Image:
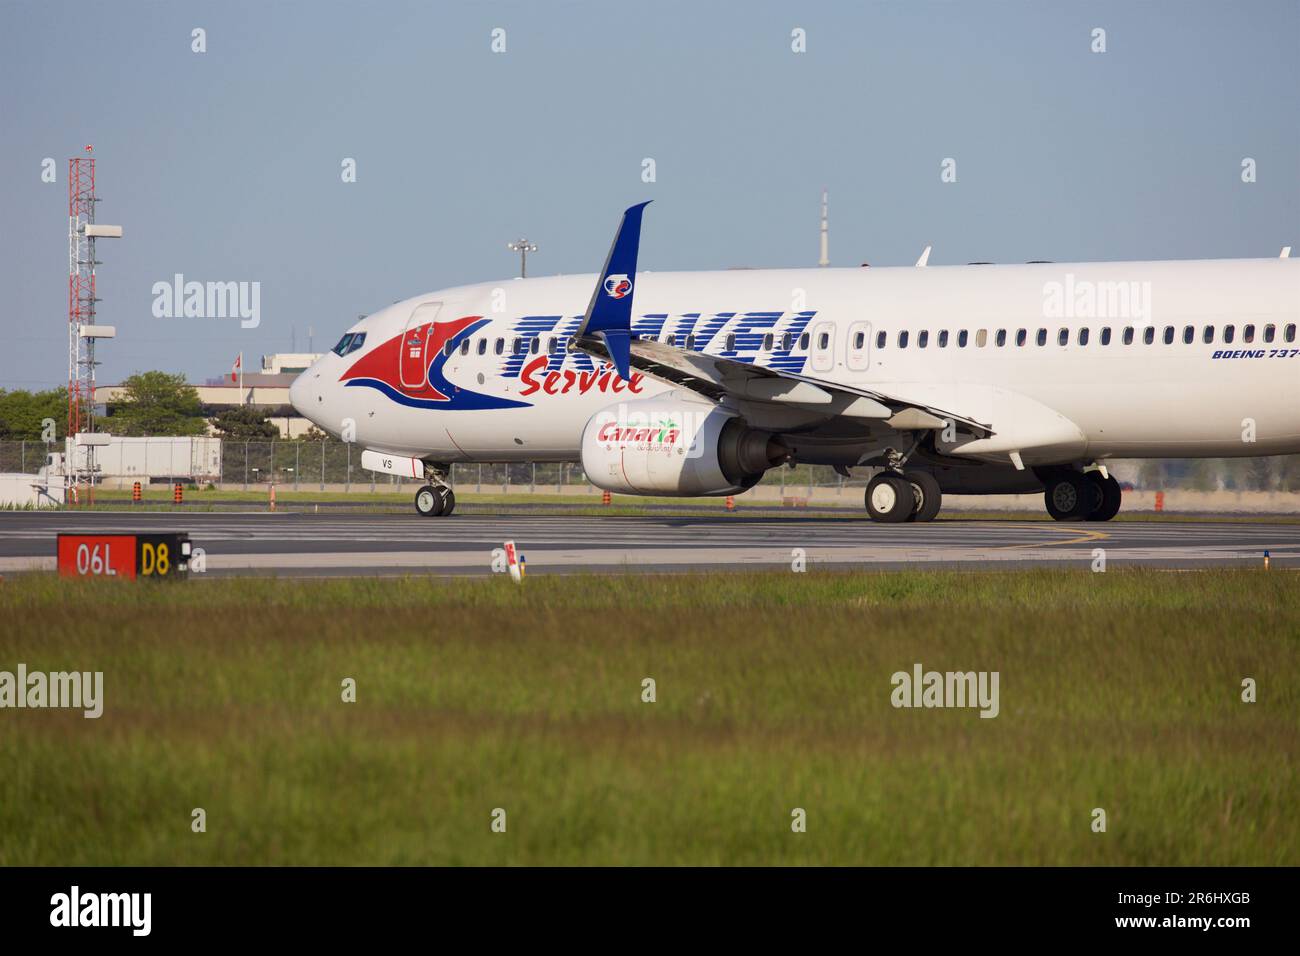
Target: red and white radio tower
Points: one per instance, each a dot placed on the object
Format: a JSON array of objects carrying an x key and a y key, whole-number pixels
[{"x": 82, "y": 330}]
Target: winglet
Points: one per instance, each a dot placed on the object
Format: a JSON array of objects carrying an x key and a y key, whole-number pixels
[
  {"x": 609, "y": 314},
  {"x": 922, "y": 262}
]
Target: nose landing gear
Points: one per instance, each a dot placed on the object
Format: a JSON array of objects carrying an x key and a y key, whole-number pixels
[{"x": 436, "y": 499}]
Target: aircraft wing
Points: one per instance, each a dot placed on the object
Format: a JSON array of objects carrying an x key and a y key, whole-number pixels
[{"x": 717, "y": 377}]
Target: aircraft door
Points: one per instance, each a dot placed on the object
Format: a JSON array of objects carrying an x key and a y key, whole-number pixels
[
  {"x": 419, "y": 328},
  {"x": 822, "y": 347},
  {"x": 859, "y": 346}
]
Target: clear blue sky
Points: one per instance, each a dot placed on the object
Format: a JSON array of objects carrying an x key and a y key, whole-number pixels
[{"x": 225, "y": 165}]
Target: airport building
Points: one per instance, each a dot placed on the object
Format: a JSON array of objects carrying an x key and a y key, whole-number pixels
[{"x": 266, "y": 388}]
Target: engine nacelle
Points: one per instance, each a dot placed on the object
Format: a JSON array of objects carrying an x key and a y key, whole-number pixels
[{"x": 675, "y": 446}]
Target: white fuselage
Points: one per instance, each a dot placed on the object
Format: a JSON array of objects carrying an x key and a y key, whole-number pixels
[{"x": 495, "y": 391}]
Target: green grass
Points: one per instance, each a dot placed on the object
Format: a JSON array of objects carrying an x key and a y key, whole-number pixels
[{"x": 1118, "y": 690}]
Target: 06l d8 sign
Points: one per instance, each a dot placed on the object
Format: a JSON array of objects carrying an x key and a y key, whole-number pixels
[{"x": 127, "y": 556}]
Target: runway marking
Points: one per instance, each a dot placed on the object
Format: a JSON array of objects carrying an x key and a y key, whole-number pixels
[{"x": 1086, "y": 536}]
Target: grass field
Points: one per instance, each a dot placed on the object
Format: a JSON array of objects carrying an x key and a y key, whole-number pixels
[{"x": 1118, "y": 690}]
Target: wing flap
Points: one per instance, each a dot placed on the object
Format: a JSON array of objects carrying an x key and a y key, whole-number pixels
[{"x": 717, "y": 377}]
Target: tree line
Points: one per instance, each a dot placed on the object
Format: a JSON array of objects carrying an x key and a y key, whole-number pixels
[{"x": 152, "y": 403}]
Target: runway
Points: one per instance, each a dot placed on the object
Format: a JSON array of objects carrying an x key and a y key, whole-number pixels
[{"x": 297, "y": 544}]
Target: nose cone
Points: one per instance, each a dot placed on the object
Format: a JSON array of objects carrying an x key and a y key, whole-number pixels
[{"x": 302, "y": 394}]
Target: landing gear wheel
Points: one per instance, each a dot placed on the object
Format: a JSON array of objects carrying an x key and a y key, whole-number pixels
[
  {"x": 890, "y": 498},
  {"x": 925, "y": 489},
  {"x": 448, "y": 501},
  {"x": 429, "y": 502},
  {"x": 1108, "y": 495},
  {"x": 1069, "y": 496}
]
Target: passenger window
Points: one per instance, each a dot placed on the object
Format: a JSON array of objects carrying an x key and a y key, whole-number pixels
[
  {"x": 803, "y": 341},
  {"x": 1083, "y": 336},
  {"x": 1169, "y": 335},
  {"x": 981, "y": 338},
  {"x": 1128, "y": 335},
  {"x": 730, "y": 342},
  {"x": 1248, "y": 333},
  {"x": 1229, "y": 333},
  {"x": 943, "y": 338},
  {"x": 1022, "y": 336},
  {"x": 464, "y": 347},
  {"x": 787, "y": 341},
  {"x": 517, "y": 346},
  {"x": 767, "y": 342},
  {"x": 1289, "y": 335},
  {"x": 859, "y": 339},
  {"x": 1042, "y": 336},
  {"x": 500, "y": 346},
  {"x": 880, "y": 339},
  {"x": 824, "y": 341},
  {"x": 962, "y": 339},
  {"x": 552, "y": 345},
  {"x": 1001, "y": 337},
  {"x": 1149, "y": 335},
  {"x": 902, "y": 340},
  {"x": 482, "y": 346},
  {"x": 922, "y": 338},
  {"x": 1270, "y": 333},
  {"x": 448, "y": 347},
  {"x": 1063, "y": 337},
  {"x": 1207, "y": 335},
  {"x": 1189, "y": 334},
  {"x": 1105, "y": 335},
  {"x": 535, "y": 345}
]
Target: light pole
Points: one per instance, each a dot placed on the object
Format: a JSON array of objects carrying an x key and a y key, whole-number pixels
[{"x": 523, "y": 247}]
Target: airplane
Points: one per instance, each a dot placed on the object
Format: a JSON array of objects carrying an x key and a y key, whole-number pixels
[{"x": 976, "y": 379}]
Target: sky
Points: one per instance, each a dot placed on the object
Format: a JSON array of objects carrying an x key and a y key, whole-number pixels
[{"x": 227, "y": 165}]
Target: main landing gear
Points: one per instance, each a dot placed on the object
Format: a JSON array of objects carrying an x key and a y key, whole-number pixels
[
  {"x": 1081, "y": 496},
  {"x": 894, "y": 497},
  {"x": 436, "y": 499}
]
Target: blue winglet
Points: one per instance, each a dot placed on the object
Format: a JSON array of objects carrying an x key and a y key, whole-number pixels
[{"x": 609, "y": 314}]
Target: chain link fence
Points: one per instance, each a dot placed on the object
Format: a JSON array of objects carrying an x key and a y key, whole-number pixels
[
  {"x": 24, "y": 457},
  {"x": 335, "y": 466}
]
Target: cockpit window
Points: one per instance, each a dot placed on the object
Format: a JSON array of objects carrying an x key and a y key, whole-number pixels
[
  {"x": 342, "y": 347},
  {"x": 358, "y": 340}
]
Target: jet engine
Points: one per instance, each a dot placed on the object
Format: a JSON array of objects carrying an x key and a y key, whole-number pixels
[{"x": 670, "y": 445}]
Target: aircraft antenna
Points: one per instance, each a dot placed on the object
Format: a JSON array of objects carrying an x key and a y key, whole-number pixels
[{"x": 825, "y": 260}]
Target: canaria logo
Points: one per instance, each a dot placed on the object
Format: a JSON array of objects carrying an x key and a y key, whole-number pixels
[
  {"x": 409, "y": 368},
  {"x": 616, "y": 287}
]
